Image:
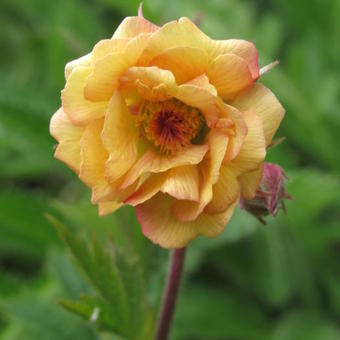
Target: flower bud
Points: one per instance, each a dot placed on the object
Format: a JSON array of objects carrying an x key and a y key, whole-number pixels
[{"x": 270, "y": 194}]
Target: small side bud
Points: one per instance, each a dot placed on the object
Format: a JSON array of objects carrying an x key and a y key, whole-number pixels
[{"x": 270, "y": 194}]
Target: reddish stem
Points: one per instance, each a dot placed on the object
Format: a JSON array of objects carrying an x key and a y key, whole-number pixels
[{"x": 170, "y": 293}]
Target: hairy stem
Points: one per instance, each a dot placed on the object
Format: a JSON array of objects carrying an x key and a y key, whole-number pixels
[{"x": 170, "y": 293}]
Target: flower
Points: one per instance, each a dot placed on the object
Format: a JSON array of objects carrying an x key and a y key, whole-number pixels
[
  {"x": 270, "y": 194},
  {"x": 169, "y": 121}
]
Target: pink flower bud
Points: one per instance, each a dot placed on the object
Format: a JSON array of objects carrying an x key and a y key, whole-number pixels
[{"x": 270, "y": 194}]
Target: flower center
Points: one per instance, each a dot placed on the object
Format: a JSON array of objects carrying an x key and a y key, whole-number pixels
[{"x": 169, "y": 125}]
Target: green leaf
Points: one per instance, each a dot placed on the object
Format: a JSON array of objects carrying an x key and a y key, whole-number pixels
[{"x": 117, "y": 279}]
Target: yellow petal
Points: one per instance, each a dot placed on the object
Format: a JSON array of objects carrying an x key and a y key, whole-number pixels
[
  {"x": 107, "y": 46},
  {"x": 229, "y": 74},
  {"x": 120, "y": 137},
  {"x": 185, "y": 33},
  {"x": 250, "y": 182},
  {"x": 236, "y": 133},
  {"x": 203, "y": 82},
  {"x": 80, "y": 110},
  {"x": 105, "y": 208},
  {"x": 225, "y": 191},
  {"x": 182, "y": 183},
  {"x": 242, "y": 48},
  {"x": 262, "y": 101},
  {"x": 198, "y": 97},
  {"x": 253, "y": 150},
  {"x": 209, "y": 173},
  {"x": 148, "y": 189},
  {"x": 184, "y": 62},
  {"x": 132, "y": 26},
  {"x": 174, "y": 34},
  {"x": 82, "y": 61},
  {"x": 160, "y": 225},
  {"x": 212, "y": 225},
  {"x": 94, "y": 156},
  {"x": 104, "y": 78},
  {"x": 152, "y": 82},
  {"x": 152, "y": 161},
  {"x": 68, "y": 136}
]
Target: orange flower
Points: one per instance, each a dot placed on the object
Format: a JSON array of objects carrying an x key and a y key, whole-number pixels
[{"x": 169, "y": 121}]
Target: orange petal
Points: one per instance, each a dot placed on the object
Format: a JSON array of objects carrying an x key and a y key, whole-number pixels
[
  {"x": 230, "y": 74},
  {"x": 132, "y": 26},
  {"x": 148, "y": 189},
  {"x": 120, "y": 137},
  {"x": 253, "y": 150},
  {"x": 183, "y": 61},
  {"x": 160, "y": 225},
  {"x": 94, "y": 156},
  {"x": 225, "y": 191},
  {"x": 82, "y": 61},
  {"x": 203, "y": 82},
  {"x": 236, "y": 133},
  {"x": 198, "y": 97},
  {"x": 250, "y": 182},
  {"x": 105, "y": 208},
  {"x": 152, "y": 161},
  {"x": 262, "y": 101},
  {"x": 104, "y": 79},
  {"x": 242, "y": 48},
  {"x": 209, "y": 172},
  {"x": 152, "y": 83},
  {"x": 68, "y": 136},
  {"x": 174, "y": 34},
  {"x": 107, "y": 46},
  {"x": 80, "y": 110},
  {"x": 185, "y": 33},
  {"x": 182, "y": 183}
]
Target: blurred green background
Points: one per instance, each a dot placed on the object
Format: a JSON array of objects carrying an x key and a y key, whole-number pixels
[{"x": 279, "y": 282}]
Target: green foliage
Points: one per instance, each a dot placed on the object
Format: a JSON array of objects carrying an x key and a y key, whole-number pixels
[
  {"x": 275, "y": 282},
  {"x": 120, "y": 304}
]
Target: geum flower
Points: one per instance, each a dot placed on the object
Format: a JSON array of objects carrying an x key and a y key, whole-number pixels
[{"x": 169, "y": 121}]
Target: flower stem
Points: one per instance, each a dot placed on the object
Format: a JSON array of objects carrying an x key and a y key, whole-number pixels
[{"x": 170, "y": 293}]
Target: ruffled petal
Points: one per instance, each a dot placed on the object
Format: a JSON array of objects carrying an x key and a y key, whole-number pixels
[
  {"x": 105, "y": 208},
  {"x": 154, "y": 162},
  {"x": 202, "y": 81},
  {"x": 68, "y": 136},
  {"x": 80, "y": 110},
  {"x": 82, "y": 61},
  {"x": 182, "y": 183},
  {"x": 152, "y": 83},
  {"x": 132, "y": 26},
  {"x": 242, "y": 48},
  {"x": 262, "y": 101},
  {"x": 229, "y": 74},
  {"x": 253, "y": 150},
  {"x": 174, "y": 34},
  {"x": 199, "y": 97},
  {"x": 107, "y": 46},
  {"x": 93, "y": 157},
  {"x": 104, "y": 78},
  {"x": 160, "y": 225},
  {"x": 183, "y": 61},
  {"x": 209, "y": 174},
  {"x": 225, "y": 191},
  {"x": 185, "y": 33},
  {"x": 232, "y": 123},
  {"x": 148, "y": 189},
  {"x": 120, "y": 138},
  {"x": 250, "y": 181}
]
